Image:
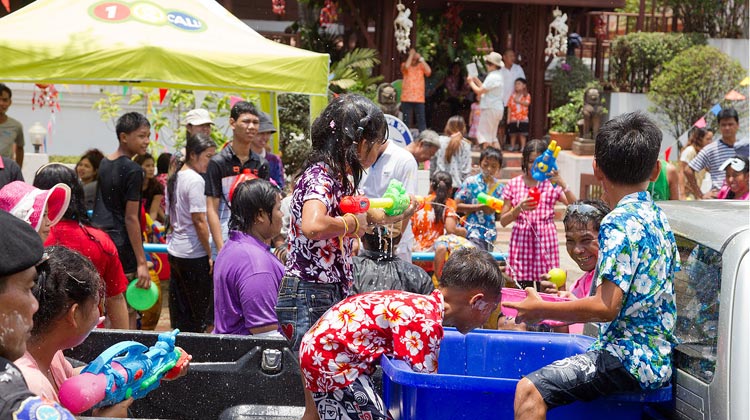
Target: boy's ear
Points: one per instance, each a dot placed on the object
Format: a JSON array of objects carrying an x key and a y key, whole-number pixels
[
  {"x": 598, "y": 174},
  {"x": 655, "y": 172},
  {"x": 476, "y": 299},
  {"x": 121, "y": 137}
]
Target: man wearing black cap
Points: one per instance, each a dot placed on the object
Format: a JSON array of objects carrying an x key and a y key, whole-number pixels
[{"x": 21, "y": 262}]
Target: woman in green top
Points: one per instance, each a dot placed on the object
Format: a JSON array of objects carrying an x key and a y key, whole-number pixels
[{"x": 666, "y": 186}]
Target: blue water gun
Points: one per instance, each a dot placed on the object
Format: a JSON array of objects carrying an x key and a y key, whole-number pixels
[
  {"x": 127, "y": 369},
  {"x": 545, "y": 162}
]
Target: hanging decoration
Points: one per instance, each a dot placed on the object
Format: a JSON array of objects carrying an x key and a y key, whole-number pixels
[
  {"x": 6, "y": 4},
  {"x": 557, "y": 38},
  {"x": 329, "y": 13},
  {"x": 278, "y": 7},
  {"x": 402, "y": 28},
  {"x": 453, "y": 21},
  {"x": 162, "y": 95},
  {"x": 46, "y": 96}
]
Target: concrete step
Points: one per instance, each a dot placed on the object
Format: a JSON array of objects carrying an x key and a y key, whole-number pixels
[{"x": 509, "y": 172}]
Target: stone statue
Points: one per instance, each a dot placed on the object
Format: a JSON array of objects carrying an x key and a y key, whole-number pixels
[
  {"x": 387, "y": 99},
  {"x": 592, "y": 113}
]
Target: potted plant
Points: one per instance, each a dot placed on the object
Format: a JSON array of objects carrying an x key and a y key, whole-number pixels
[{"x": 564, "y": 123}]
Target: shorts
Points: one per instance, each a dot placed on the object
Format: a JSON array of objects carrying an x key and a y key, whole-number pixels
[
  {"x": 482, "y": 244},
  {"x": 518, "y": 127},
  {"x": 583, "y": 377},
  {"x": 488, "y": 122},
  {"x": 357, "y": 401},
  {"x": 300, "y": 305},
  {"x": 453, "y": 242}
]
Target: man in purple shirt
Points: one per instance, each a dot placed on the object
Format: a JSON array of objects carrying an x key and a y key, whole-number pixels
[{"x": 247, "y": 275}]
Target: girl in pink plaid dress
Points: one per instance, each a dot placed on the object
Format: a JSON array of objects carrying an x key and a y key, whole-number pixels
[{"x": 533, "y": 241}]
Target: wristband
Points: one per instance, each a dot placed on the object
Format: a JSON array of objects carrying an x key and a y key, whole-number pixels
[
  {"x": 356, "y": 224},
  {"x": 346, "y": 225}
]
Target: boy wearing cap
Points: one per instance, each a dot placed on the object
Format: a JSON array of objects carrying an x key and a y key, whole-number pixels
[
  {"x": 491, "y": 103},
  {"x": 21, "y": 254},
  {"x": 118, "y": 197},
  {"x": 198, "y": 121},
  {"x": 259, "y": 145}
]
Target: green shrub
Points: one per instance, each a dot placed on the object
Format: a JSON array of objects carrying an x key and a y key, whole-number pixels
[
  {"x": 691, "y": 83},
  {"x": 636, "y": 58},
  {"x": 64, "y": 159},
  {"x": 294, "y": 133},
  {"x": 567, "y": 77},
  {"x": 564, "y": 119}
]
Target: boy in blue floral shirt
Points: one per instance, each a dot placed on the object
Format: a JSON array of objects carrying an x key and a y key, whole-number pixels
[
  {"x": 634, "y": 298},
  {"x": 480, "y": 219}
]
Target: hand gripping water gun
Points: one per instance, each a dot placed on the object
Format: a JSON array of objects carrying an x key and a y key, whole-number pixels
[
  {"x": 395, "y": 200},
  {"x": 490, "y": 201},
  {"x": 545, "y": 162},
  {"x": 127, "y": 369}
]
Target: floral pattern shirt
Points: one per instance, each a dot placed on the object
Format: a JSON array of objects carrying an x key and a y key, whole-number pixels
[
  {"x": 479, "y": 225},
  {"x": 326, "y": 260},
  {"x": 638, "y": 253},
  {"x": 424, "y": 226},
  {"x": 516, "y": 111},
  {"x": 348, "y": 340}
]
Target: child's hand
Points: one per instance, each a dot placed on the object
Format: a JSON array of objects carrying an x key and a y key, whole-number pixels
[
  {"x": 547, "y": 286},
  {"x": 526, "y": 308},
  {"x": 529, "y": 204},
  {"x": 555, "y": 178},
  {"x": 183, "y": 364}
]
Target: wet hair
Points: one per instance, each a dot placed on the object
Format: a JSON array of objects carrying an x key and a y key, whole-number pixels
[
  {"x": 336, "y": 133},
  {"x": 379, "y": 240},
  {"x": 455, "y": 124},
  {"x": 72, "y": 279},
  {"x": 534, "y": 146},
  {"x": 728, "y": 113},
  {"x": 196, "y": 144},
  {"x": 94, "y": 156},
  {"x": 130, "y": 122},
  {"x": 442, "y": 184},
  {"x": 472, "y": 268},
  {"x": 627, "y": 148},
  {"x": 583, "y": 218},
  {"x": 491, "y": 153},
  {"x": 249, "y": 199},
  {"x": 242, "y": 107},
  {"x": 696, "y": 136},
  {"x": 5, "y": 88},
  {"x": 162, "y": 163}
]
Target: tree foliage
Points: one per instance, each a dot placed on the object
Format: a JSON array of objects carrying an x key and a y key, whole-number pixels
[
  {"x": 294, "y": 133},
  {"x": 715, "y": 18},
  {"x": 569, "y": 76},
  {"x": 636, "y": 58},
  {"x": 691, "y": 83},
  {"x": 353, "y": 73},
  {"x": 564, "y": 118}
]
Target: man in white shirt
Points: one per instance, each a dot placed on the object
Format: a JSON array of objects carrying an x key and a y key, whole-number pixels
[
  {"x": 397, "y": 163},
  {"x": 491, "y": 103},
  {"x": 510, "y": 72}
]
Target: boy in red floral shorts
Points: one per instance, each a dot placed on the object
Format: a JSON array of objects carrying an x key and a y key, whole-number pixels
[{"x": 340, "y": 352}]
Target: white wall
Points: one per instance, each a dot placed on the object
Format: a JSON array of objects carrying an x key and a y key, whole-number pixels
[
  {"x": 739, "y": 49},
  {"x": 622, "y": 103}
]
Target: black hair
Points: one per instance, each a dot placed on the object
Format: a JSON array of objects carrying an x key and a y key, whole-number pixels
[
  {"x": 696, "y": 136},
  {"x": 52, "y": 174},
  {"x": 582, "y": 218},
  {"x": 533, "y": 146},
  {"x": 249, "y": 199},
  {"x": 141, "y": 159},
  {"x": 162, "y": 162},
  {"x": 72, "y": 279},
  {"x": 627, "y": 148},
  {"x": 94, "y": 156},
  {"x": 522, "y": 80},
  {"x": 242, "y": 107},
  {"x": 442, "y": 183},
  {"x": 336, "y": 133},
  {"x": 196, "y": 144},
  {"x": 379, "y": 240},
  {"x": 130, "y": 122},
  {"x": 5, "y": 88},
  {"x": 472, "y": 268},
  {"x": 491, "y": 153},
  {"x": 728, "y": 113}
]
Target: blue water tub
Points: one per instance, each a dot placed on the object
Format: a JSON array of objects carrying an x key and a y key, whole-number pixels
[{"x": 478, "y": 373}]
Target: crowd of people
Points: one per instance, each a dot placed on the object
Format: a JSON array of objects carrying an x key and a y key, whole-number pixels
[{"x": 254, "y": 252}]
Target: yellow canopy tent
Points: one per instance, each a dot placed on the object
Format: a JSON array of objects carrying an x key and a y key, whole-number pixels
[{"x": 185, "y": 44}]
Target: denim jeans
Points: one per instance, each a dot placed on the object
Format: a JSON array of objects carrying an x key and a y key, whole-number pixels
[
  {"x": 417, "y": 109},
  {"x": 300, "y": 305}
]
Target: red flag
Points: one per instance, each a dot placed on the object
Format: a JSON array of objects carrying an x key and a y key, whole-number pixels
[
  {"x": 6, "y": 3},
  {"x": 667, "y": 153},
  {"x": 162, "y": 95}
]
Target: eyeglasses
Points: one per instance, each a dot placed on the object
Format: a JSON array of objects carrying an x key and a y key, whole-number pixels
[{"x": 584, "y": 209}]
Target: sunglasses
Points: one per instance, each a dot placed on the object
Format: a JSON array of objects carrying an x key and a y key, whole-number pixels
[{"x": 584, "y": 209}]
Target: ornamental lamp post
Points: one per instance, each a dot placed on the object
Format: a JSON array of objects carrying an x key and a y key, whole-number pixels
[{"x": 37, "y": 132}]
